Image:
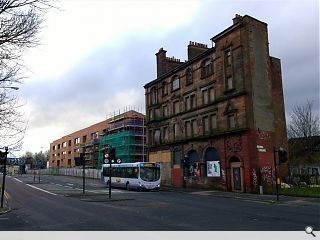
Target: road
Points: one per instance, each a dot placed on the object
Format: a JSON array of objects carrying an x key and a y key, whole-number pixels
[{"x": 57, "y": 203}]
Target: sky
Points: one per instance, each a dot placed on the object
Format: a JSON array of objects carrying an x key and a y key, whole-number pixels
[{"x": 96, "y": 56}]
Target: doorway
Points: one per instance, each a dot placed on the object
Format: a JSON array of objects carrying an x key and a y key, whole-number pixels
[{"x": 236, "y": 175}]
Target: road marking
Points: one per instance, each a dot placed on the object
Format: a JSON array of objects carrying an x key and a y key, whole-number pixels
[
  {"x": 41, "y": 189},
  {"x": 18, "y": 180},
  {"x": 6, "y": 195},
  {"x": 4, "y": 218}
]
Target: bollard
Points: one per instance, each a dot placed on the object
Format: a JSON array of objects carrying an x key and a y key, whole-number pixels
[{"x": 261, "y": 189}]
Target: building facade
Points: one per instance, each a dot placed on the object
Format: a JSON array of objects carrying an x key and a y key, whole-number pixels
[
  {"x": 65, "y": 151},
  {"x": 214, "y": 120}
]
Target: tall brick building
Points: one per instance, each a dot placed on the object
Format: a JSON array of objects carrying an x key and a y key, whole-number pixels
[{"x": 222, "y": 110}]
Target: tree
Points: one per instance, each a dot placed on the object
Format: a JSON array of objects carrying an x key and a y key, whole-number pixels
[
  {"x": 304, "y": 123},
  {"x": 20, "y": 21},
  {"x": 37, "y": 159},
  {"x": 304, "y": 135}
]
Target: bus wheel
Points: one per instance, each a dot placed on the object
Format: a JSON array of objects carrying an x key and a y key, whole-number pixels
[{"x": 128, "y": 186}]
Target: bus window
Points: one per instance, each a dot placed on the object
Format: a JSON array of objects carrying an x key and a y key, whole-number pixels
[{"x": 149, "y": 174}]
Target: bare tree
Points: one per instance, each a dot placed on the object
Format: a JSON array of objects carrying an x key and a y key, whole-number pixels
[
  {"x": 20, "y": 21},
  {"x": 304, "y": 123},
  {"x": 304, "y": 135}
]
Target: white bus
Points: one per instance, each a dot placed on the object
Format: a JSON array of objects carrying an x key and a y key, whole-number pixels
[{"x": 138, "y": 175}]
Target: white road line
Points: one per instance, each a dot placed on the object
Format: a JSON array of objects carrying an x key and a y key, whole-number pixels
[
  {"x": 18, "y": 180},
  {"x": 6, "y": 195},
  {"x": 41, "y": 190}
]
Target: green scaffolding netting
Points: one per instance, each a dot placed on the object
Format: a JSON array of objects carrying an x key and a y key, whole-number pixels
[{"x": 123, "y": 142}]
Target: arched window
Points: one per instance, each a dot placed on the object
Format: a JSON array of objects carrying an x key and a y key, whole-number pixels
[
  {"x": 189, "y": 76},
  {"x": 212, "y": 160},
  {"x": 194, "y": 167},
  {"x": 206, "y": 67}
]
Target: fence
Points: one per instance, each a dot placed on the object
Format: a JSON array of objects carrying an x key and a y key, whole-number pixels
[{"x": 74, "y": 172}]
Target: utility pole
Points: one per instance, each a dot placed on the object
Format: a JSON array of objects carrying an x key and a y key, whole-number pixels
[{"x": 4, "y": 159}]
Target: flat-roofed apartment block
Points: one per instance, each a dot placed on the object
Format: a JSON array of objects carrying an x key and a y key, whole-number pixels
[
  {"x": 64, "y": 151},
  {"x": 223, "y": 109}
]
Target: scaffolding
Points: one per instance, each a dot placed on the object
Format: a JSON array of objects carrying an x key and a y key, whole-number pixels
[{"x": 123, "y": 142}]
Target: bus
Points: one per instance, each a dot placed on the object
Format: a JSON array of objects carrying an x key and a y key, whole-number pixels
[{"x": 138, "y": 175}]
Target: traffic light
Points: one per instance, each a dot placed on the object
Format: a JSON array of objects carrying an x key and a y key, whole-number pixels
[
  {"x": 3, "y": 158},
  {"x": 106, "y": 157},
  {"x": 282, "y": 155},
  {"x": 112, "y": 154},
  {"x": 109, "y": 156}
]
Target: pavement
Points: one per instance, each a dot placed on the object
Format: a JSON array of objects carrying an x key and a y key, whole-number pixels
[{"x": 265, "y": 198}]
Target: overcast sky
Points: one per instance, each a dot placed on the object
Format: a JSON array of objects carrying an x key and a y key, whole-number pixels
[{"x": 96, "y": 56}]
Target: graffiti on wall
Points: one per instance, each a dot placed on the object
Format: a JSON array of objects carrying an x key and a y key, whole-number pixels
[
  {"x": 266, "y": 175},
  {"x": 234, "y": 144},
  {"x": 223, "y": 175},
  {"x": 254, "y": 178}
]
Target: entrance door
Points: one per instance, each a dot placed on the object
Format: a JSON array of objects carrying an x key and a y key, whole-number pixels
[{"x": 236, "y": 173}]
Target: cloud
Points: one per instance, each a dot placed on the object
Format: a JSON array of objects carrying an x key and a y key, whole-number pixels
[{"x": 79, "y": 87}]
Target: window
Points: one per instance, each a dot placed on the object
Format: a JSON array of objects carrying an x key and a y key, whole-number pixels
[
  {"x": 164, "y": 88},
  {"x": 64, "y": 144},
  {"x": 153, "y": 95},
  {"x": 150, "y": 114},
  {"x": 189, "y": 76},
  {"x": 190, "y": 102},
  {"x": 157, "y": 136},
  {"x": 211, "y": 94},
  {"x": 228, "y": 59},
  {"x": 165, "y": 134},
  {"x": 193, "y": 101},
  {"x": 76, "y": 140},
  {"x": 188, "y": 128},
  {"x": 205, "y": 98},
  {"x": 84, "y": 138},
  {"x": 232, "y": 121},
  {"x": 206, "y": 67},
  {"x": 94, "y": 135},
  {"x": 69, "y": 144},
  {"x": 176, "y": 130},
  {"x": 194, "y": 126},
  {"x": 206, "y": 124},
  {"x": 157, "y": 112},
  {"x": 176, "y": 107},
  {"x": 229, "y": 83},
  {"x": 175, "y": 83},
  {"x": 150, "y": 137},
  {"x": 213, "y": 121},
  {"x": 165, "y": 112}
]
